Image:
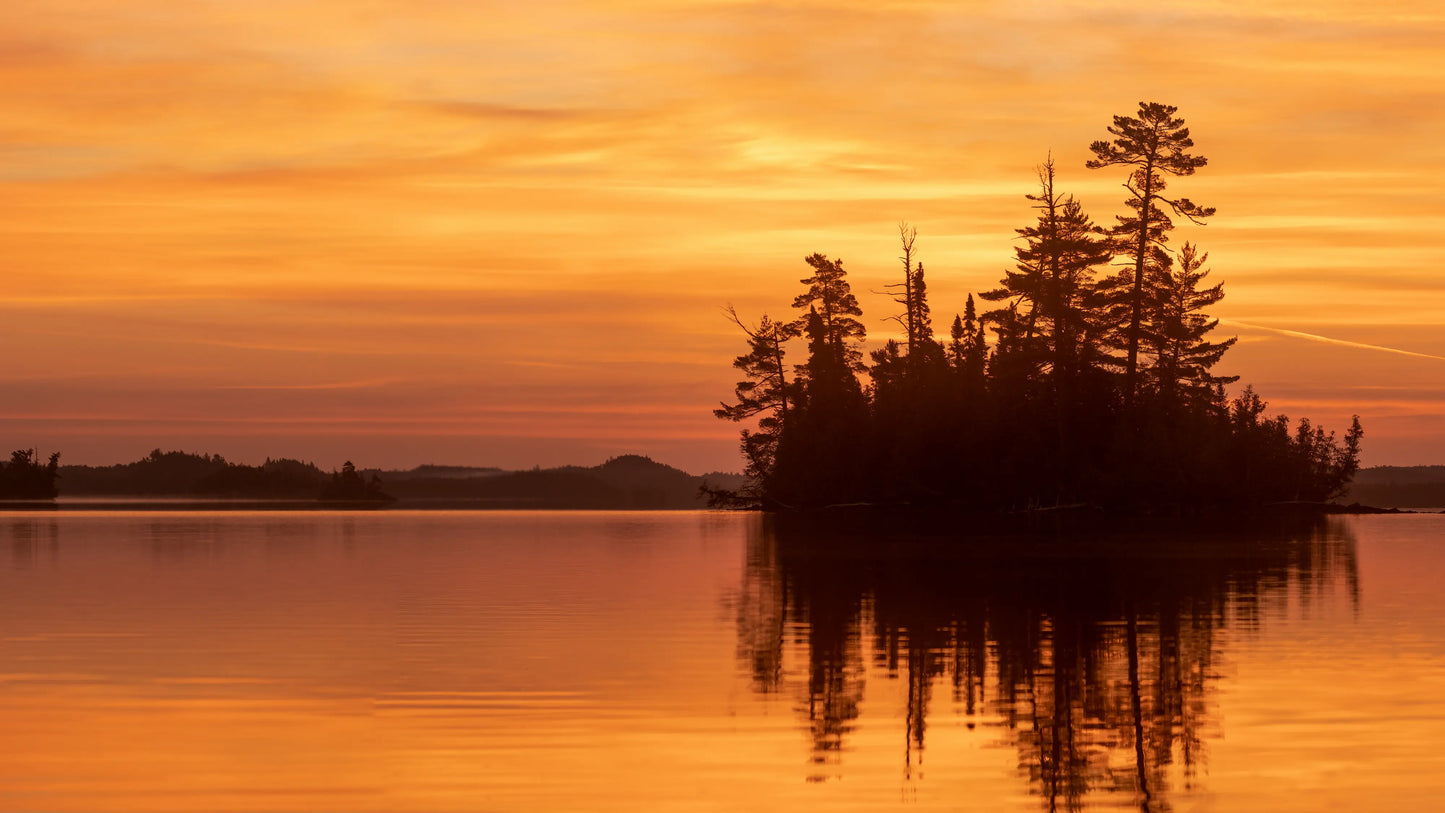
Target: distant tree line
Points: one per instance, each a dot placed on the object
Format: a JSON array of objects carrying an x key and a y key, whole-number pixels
[
  {"x": 1095, "y": 387},
  {"x": 1420, "y": 487},
  {"x": 624, "y": 482},
  {"x": 24, "y": 477},
  {"x": 188, "y": 474}
]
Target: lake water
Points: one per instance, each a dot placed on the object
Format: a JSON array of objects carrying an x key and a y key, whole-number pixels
[{"x": 416, "y": 661}]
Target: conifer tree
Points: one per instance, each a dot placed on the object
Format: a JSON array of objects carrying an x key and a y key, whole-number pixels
[
  {"x": 927, "y": 363},
  {"x": 832, "y": 297},
  {"x": 1052, "y": 280},
  {"x": 1011, "y": 366},
  {"x": 888, "y": 374},
  {"x": 1153, "y": 144},
  {"x": 764, "y": 394},
  {"x": 919, "y": 314},
  {"x": 828, "y": 382},
  {"x": 1182, "y": 356},
  {"x": 817, "y": 461},
  {"x": 923, "y": 350},
  {"x": 976, "y": 349},
  {"x": 958, "y": 341},
  {"x": 907, "y": 236}
]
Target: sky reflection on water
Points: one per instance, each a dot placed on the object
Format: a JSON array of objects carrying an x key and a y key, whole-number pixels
[{"x": 699, "y": 661}]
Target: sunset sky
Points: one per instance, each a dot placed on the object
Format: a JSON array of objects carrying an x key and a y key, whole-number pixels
[{"x": 501, "y": 233}]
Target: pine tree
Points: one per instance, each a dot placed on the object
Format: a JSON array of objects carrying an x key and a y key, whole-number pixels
[
  {"x": 976, "y": 352},
  {"x": 818, "y": 460},
  {"x": 1176, "y": 335},
  {"x": 1051, "y": 282},
  {"x": 927, "y": 353},
  {"x": 826, "y": 379},
  {"x": 764, "y": 394},
  {"x": 1154, "y": 144},
  {"x": 958, "y": 339},
  {"x": 832, "y": 297}
]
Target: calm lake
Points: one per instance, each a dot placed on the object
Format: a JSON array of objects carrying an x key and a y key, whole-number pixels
[{"x": 440, "y": 661}]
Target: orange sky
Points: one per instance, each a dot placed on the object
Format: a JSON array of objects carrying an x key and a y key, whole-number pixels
[{"x": 501, "y": 233}]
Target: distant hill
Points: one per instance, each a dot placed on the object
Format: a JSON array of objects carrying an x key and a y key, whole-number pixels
[
  {"x": 434, "y": 472},
  {"x": 1399, "y": 487},
  {"x": 625, "y": 482}
]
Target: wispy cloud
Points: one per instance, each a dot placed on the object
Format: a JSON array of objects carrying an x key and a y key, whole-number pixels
[
  {"x": 365, "y": 384},
  {"x": 1315, "y": 337}
]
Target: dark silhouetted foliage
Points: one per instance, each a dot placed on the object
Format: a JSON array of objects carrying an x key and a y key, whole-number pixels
[
  {"x": 625, "y": 482},
  {"x": 1098, "y": 389},
  {"x": 184, "y": 474},
  {"x": 24, "y": 477},
  {"x": 1152, "y": 145},
  {"x": 349, "y": 486},
  {"x": 764, "y": 395}
]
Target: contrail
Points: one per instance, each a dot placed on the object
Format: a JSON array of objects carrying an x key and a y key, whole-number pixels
[{"x": 1315, "y": 337}]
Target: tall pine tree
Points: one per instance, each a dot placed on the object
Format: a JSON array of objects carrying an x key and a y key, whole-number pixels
[{"x": 1153, "y": 144}]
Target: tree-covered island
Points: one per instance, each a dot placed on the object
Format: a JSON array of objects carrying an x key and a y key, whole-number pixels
[
  {"x": 1095, "y": 387},
  {"x": 24, "y": 478}
]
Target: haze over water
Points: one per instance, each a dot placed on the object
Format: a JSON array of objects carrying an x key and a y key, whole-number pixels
[{"x": 704, "y": 661}]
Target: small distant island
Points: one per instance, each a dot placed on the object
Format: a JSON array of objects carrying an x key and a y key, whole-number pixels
[{"x": 1095, "y": 390}]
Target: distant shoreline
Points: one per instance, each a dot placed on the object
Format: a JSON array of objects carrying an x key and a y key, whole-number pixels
[
  {"x": 182, "y": 504},
  {"x": 175, "y": 504}
]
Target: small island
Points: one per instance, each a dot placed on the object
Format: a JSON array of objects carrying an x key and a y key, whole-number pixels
[
  {"x": 1095, "y": 390},
  {"x": 25, "y": 479}
]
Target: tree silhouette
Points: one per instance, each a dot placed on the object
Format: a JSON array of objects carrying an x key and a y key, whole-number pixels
[
  {"x": 349, "y": 486},
  {"x": 1153, "y": 144},
  {"x": 830, "y": 295},
  {"x": 24, "y": 477},
  {"x": 1183, "y": 358},
  {"x": 763, "y": 394},
  {"x": 968, "y": 348},
  {"x": 908, "y": 320},
  {"x": 1052, "y": 282},
  {"x": 1043, "y": 418}
]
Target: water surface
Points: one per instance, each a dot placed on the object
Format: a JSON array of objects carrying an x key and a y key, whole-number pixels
[{"x": 306, "y": 661}]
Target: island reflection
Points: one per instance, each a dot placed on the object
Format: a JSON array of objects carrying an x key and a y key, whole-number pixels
[{"x": 1096, "y": 656}]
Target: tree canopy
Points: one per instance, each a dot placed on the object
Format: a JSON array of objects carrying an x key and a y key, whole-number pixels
[{"x": 1097, "y": 386}]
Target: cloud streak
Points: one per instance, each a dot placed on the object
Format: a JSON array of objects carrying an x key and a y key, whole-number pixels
[{"x": 1315, "y": 337}]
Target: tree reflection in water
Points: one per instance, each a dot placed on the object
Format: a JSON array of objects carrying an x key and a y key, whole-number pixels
[{"x": 1096, "y": 653}]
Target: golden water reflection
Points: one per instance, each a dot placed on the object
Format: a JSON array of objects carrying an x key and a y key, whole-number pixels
[
  {"x": 615, "y": 662},
  {"x": 1096, "y": 658}
]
